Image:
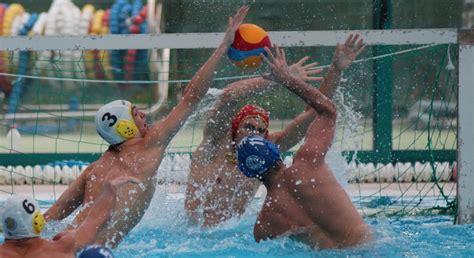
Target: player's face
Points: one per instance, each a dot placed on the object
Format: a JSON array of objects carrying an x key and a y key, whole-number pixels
[
  {"x": 251, "y": 126},
  {"x": 140, "y": 120}
]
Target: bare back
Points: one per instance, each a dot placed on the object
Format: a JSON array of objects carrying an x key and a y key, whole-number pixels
[{"x": 306, "y": 202}]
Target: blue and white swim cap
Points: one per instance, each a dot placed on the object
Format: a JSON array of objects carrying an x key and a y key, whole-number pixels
[
  {"x": 256, "y": 155},
  {"x": 114, "y": 122},
  {"x": 96, "y": 251},
  {"x": 21, "y": 218}
]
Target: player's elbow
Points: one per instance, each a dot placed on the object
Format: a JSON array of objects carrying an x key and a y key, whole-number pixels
[
  {"x": 330, "y": 111},
  {"x": 228, "y": 95}
]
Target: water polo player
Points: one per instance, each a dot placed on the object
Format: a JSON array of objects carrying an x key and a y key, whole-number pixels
[
  {"x": 136, "y": 149},
  {"x": 304, "y": 201},
  {"x": 23, "y": 222}
]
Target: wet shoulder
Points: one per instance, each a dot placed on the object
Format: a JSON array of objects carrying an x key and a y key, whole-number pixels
[{"x": 307, "y": 170}]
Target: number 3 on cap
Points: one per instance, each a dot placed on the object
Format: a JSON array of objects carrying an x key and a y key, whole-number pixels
[{"x": 107, "y": 116}]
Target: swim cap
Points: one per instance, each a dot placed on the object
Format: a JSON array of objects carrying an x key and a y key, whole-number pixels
[
  {"x": 21, "y": 218},
  {"x": 114, "y": 122},
  {"x": 96, "y": 251},
  {"x": 246, "y": 111},
  {"x": 256, "y": 155}
]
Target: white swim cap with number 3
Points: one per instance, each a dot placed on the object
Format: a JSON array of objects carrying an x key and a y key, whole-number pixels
[
  {"x": 21, "y": 218},
  {"x": 114, "y": 122}
]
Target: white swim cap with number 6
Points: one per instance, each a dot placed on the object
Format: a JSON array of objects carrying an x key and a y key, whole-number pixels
[
  {"x": 114, "y": 122},
  {"x": 21, "y": 218}
]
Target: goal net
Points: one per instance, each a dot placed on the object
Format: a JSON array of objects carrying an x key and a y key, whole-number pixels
[{"x": 396, "y": 140}]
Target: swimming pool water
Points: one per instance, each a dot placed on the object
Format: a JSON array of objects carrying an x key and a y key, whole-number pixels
[
  {"x": 164, "y": 232},
  {"x": 407, "y": 237}
]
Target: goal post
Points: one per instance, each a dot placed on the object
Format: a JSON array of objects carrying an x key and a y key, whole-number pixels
[{"x": 465, "y": 187}]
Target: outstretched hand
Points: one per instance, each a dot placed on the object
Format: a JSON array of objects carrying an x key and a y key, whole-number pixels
[
  {"x": 305, "y": 72},
  {"x": 346, "y": 53},
  {"x": 234, "y": 23},
  {"x": 280, "y": 71}
]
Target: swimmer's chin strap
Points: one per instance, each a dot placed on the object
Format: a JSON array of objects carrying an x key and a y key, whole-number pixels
[{"x": 127, "y": 129}]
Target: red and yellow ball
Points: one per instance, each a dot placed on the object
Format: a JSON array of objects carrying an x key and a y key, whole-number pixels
[{"x": 248, "y": 44}]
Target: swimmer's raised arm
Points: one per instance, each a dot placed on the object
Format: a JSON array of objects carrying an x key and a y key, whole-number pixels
[
  {"x": 281, "y": 74},
  {"x": 163, "y": 131},
  {"x": 69, "y": 200},
  {"x": 320, "y": 133},
  {"x": 227, "y": 104},
  {"x": 100, "y": 212},
  {"x": 344, "y": 56}
]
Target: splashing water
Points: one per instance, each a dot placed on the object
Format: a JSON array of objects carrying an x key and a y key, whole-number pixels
[
  {"x": 204, "y": 105},
  {"x": 164, "y": 231},
  {"x": 348, "y": 119}
]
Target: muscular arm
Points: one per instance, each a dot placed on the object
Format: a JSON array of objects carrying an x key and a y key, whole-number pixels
[
  {"x": 164, "y": 130},
  {"x": 69, "y": 200},
  {"x": 99, "y": 213},
  {"x": 320, "y": 134},
  {"x": 295, "y": 131},
  {"x": 318, "y": 101}
]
